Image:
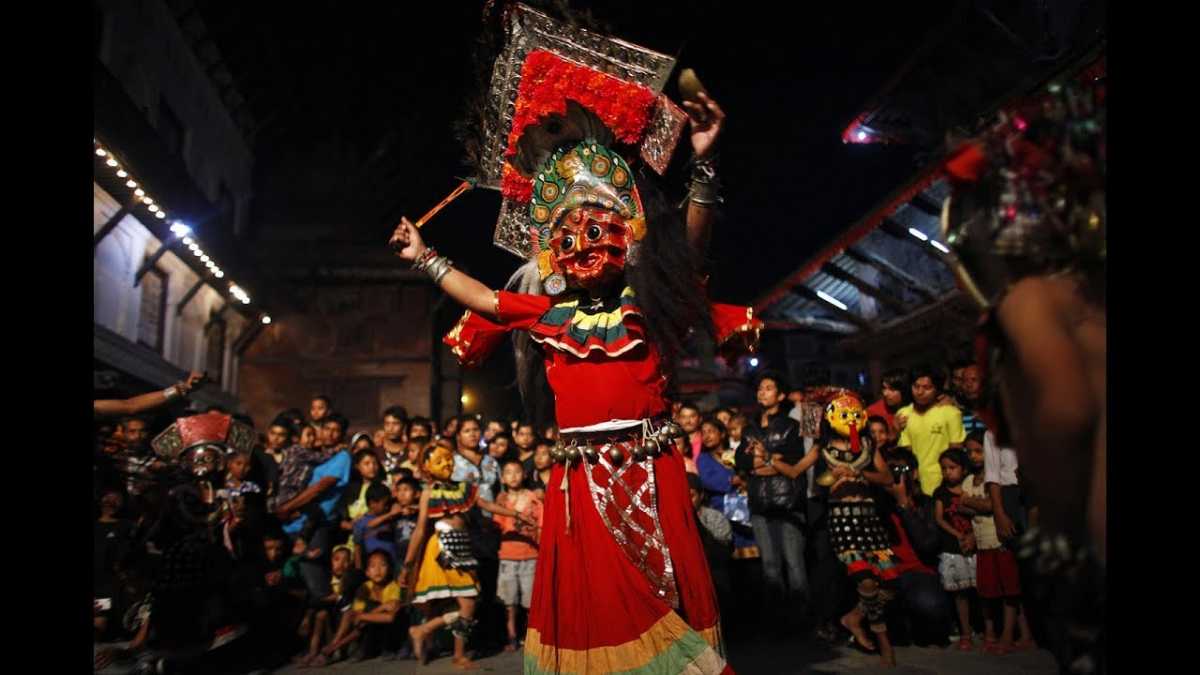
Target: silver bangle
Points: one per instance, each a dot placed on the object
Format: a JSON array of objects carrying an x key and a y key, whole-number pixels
[
  {"x": 438, "y": 268},
  {"x": 170, "y": 392},
  {"x": 705, "y": 185}
]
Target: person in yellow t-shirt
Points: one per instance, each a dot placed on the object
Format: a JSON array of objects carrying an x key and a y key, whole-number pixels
[
  {"x": 371, "y": 615},
  {"x": 929, "y": 429}
]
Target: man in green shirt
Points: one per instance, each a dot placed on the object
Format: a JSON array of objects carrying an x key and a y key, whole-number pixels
[{"x": 929, "y": 429}]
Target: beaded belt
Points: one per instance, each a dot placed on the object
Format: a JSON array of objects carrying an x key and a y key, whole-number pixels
[
  {"x": 656, "y": 435},
  {"x": 623, "y": 492}
]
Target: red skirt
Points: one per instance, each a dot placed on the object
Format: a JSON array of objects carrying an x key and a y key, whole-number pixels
[
  {"x": 606, "y": 600},
  {"x": 996, "y": 574}
]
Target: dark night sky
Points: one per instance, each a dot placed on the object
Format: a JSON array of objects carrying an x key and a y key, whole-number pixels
[{"x": 356, "y": 106}]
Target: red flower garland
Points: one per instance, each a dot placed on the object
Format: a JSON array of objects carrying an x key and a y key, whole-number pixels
[
  {"x": 515, "y": 186},
  {"x": 547, "y": 81}
]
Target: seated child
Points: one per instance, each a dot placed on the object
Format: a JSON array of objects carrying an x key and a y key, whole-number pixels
[
  {"x": 371, "y": 616},
  {"x": 344, "y": 581}
]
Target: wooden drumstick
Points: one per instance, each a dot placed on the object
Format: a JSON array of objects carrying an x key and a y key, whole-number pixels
[{"x": 462, "y": 187}]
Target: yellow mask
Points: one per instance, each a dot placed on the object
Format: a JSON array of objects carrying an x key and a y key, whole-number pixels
[
  {"x": 440, "y": 464},
  {"x": 846, "y": 415}
]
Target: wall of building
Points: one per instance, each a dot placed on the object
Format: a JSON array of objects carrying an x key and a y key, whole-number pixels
[
  {"x": 365, "y": 345},
  {"x": 117, "y": 302},
  {"x": 143, "y": 46}
]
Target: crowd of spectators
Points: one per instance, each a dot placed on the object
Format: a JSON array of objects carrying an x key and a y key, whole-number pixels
[{"x": 310, "y": 557}]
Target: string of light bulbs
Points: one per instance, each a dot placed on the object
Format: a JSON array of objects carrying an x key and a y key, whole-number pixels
[{"x": 178, "y": 228}]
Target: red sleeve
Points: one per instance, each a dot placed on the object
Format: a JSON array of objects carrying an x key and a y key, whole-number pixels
[
  {"x": 520, "y": 310},
  {"x": 474, "y": 338}
]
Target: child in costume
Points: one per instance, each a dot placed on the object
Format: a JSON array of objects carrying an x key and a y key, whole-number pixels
[
  {"x": 611, "y": 290},
  {"x": 857, "y": 533},
  {"x": 446, "y": 568}
]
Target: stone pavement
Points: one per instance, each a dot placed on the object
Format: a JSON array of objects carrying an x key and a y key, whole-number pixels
[{"x": 764, "y": 658}]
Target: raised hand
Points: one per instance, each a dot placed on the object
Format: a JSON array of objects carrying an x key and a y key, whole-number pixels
[
  {"x": 406, "y": 241},
  {"x": 707, "y": 119}
]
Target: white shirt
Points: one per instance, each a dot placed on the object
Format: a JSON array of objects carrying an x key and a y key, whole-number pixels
[{"x": 999, "y": 464}]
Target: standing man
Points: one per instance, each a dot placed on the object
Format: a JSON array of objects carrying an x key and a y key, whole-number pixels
[
  {"x": 778, "y": 527},
  {"x": 929, "y": 429},
  {"x": 329, "y": 480},
  {"x": 972, "y": 402}
]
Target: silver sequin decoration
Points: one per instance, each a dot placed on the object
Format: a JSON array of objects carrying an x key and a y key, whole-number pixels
[
  {"x": 663, "y": 135},
  {"x": 530, "y": 30},
  {"x": 662, "y": 583}
]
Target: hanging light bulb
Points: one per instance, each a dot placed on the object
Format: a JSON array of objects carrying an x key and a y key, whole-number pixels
[
  {"x": 148, "y": 200},
  {"x": 100, "y": 152},
  {"x": 122, "y": 173},
  {"x": 160, "y": 215},
  {"x": 111, "y": 162},
  {"x": 131, "y": 183}
]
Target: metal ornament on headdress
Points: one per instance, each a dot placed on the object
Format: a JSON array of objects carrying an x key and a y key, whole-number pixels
[
  {"x": 195, "y": 431},
  {"x": 534, "y": 40},
  {"x": 1030, "y": 192}
]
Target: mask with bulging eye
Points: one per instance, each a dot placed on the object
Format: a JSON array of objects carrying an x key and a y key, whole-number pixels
[
  {"x": 204, "y": 460},
  {"x": 590, "y": 245}
]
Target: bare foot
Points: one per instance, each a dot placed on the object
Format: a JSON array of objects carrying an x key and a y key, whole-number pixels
[
  {"x": 418, "y": 641},
  {"x": 465, "y": 663},
  {"x": 856, "y": 629}
]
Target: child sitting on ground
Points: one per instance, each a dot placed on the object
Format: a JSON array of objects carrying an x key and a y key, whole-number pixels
[
  {"x": 997, "y": 578},
  {"x": 344, "y": 582},
  {"x": 370, "y": 619}
]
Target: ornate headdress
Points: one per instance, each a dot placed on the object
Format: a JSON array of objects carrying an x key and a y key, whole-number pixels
[
  {"x": 200, "y": 442},
  {"x": 1029, "y": 193},
  {"x": 567, "y": 108}
]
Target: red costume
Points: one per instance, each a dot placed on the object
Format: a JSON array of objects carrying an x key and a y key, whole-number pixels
[
  {"x": 616, "y": 588},
  {"x": 622, "y": 584}
]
